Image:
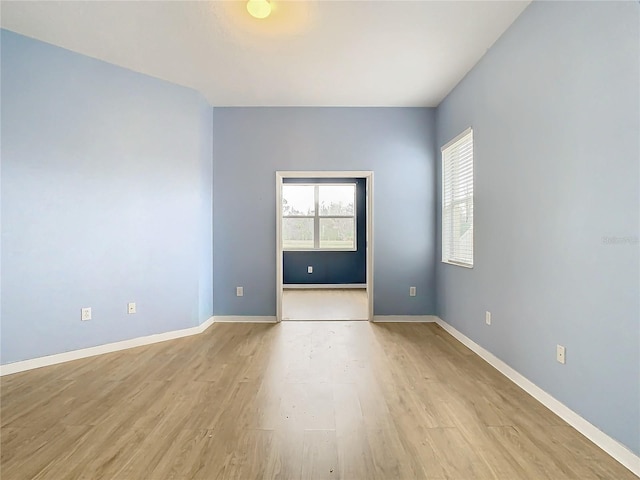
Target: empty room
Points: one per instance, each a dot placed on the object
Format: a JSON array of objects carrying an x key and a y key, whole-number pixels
[{"x": 320, "y": 240}]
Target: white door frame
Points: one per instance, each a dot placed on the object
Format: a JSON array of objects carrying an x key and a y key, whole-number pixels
[{"x": 368, "y": 176}]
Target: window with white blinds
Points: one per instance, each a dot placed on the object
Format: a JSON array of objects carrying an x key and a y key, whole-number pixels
[{"x": 457, "y": 200}]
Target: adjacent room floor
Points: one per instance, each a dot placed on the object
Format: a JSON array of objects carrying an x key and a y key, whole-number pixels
[
  {"x": 325, "y": 304},
  {"x": 295, "y": 400}
]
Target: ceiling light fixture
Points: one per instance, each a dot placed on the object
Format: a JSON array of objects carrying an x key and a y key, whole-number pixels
[{"x": 259, "y": 8}]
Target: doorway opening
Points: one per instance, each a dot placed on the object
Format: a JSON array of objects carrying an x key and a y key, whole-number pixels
[{"x": 324, "y": 245}]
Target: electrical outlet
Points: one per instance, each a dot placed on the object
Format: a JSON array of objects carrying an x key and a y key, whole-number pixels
[
  {"x": 131, "y": 307},
  {"x": 412, "y": 291},
  {"x": 239, "y": 291},
  {"x": 487, "y": 318},
  {"x": 561, "y": 354},
  {"x": 309, "y": 269},
  {"x": 85, "y": 314}
]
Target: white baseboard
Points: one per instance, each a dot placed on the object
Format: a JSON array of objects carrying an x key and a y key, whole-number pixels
[
  {"x": 404, "y": 318},
  {"x": 614, "y": 448},
  {"x": 30, "y": 364},
  {"x": 244, "y": 319}
]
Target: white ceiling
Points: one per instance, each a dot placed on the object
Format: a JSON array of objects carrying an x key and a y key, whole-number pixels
[{"x": 313, "y": 53}]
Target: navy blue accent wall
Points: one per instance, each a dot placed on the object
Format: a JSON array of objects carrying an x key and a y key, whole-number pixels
[{"x": 332, "y": 267}]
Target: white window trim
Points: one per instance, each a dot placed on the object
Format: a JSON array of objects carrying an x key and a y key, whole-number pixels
[
  {"x": 450, "y": 208},
  {"x": 316, "y": 219}
]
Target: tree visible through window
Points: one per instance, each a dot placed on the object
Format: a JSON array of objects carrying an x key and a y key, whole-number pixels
[{"x": 319, "y": 216}]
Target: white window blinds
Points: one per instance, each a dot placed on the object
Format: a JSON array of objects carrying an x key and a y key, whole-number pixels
[{"x": 457, "y": 200}]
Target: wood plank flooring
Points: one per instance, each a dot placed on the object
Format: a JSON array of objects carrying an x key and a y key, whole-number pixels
[
  {"x": 296, "y": 400},
  {"x": 325, "y": 304}
]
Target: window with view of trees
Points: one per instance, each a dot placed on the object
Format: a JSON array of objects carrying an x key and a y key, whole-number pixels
[{"x": 319, "y": 216}]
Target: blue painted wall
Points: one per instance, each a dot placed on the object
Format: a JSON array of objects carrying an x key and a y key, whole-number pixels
[
  {"x": 108, "y": 190},
  {"x": 331, "y": 267},
  {"x": 106, "y": 199},
  {"x": 555, "y": 110},
  {"x": 251, "y": 144}
]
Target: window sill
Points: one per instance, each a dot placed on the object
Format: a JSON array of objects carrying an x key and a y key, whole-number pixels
[
  {"x": 458, "y": 264},
  {"x": 319, "y": 249}
]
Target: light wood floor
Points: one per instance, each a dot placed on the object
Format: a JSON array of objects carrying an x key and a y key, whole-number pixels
[
  {"x": 325, "y": 304},
  {"x": 297, "y": 400}
]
